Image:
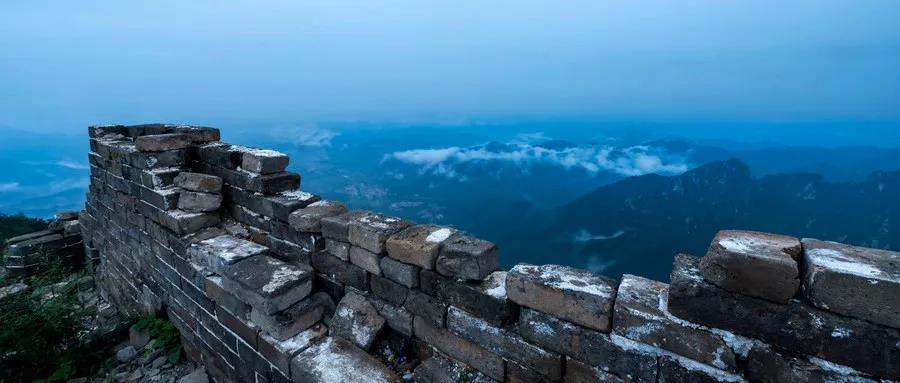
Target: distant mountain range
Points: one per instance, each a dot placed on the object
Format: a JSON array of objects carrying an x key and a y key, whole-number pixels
[
  {"x": 542, "y": 199},
  {"x": 638, "y": 224}
]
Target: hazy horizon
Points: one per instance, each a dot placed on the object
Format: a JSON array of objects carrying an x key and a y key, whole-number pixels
[{"x": 67, "y": 65}]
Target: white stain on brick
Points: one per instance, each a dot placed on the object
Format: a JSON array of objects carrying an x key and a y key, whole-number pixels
[{"x": 439, "y": 235}]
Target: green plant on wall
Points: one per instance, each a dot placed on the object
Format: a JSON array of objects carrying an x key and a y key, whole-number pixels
[
  {"x": 164, "y": 336},
  {"x": 43, "y": 331}
]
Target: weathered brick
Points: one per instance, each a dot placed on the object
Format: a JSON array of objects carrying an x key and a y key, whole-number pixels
[
  {"x": 216, "y": 291},
  {"x": 837, "y": 275},
  {"x": 338, "y": 249},
  {"x": 677, "y": 370},
  {"x": 426, "y": 307},
  {"x": 198, "y": 202},
  {"x": 267, "y": 284},
  {"x": 402, "y": 273},
  {"x": 388, "y": 290},
  {"x": 280, "y": 352},
  {"x": 365, "y": 259},
  {"x": 370, "y": 231},
  {"x": 334, "y": 359},
  {"x": 291, "y": 321},
  {"x": 438, "y": 369},
  {"x": 418, "y": 245},
  {"x": 263, "y": 161},
  {"x": 466, "y": 257},
  {"x": 309, "y": 218},
  {"x": 162, "y": 142},
  {"x": 504, "y": 343},
  {"x": 459, "y": 348},
  {"x": 183, "y": 222},
  {"x": 588, "y": 345},
  {"x": 765, "y": 364},
  {"x": 341, "y": 271},
  {"x": 796, "y": 326},
  {"x": 752, "y": 263},
  {"x": 578, "y": 372},
  {"x": 396, "y": 317},
  {"x": 198, "y": 182},
  {"x": 356, "y": 320},
  {"x": 575, "y": 295},
  {"x": 338, "y": 227},
  {"x": 641, "y": 315},
  {"x": 219, "y": 252},
  {"x": 487, "y": 299}
]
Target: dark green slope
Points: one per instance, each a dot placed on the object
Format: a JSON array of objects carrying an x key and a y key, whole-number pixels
[{"x": 638, "y": 224}]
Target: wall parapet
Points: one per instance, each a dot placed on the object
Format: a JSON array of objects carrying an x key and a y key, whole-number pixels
[{"x": 268, "y": 283}]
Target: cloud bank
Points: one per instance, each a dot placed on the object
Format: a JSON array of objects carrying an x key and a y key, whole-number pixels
[
  {"x": 311, "y": 135},
  {"x": 9, "y": 186},
  {"x": 626, "y": 161}
]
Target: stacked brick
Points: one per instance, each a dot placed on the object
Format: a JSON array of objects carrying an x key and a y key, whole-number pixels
[
  {"x": 268, "y": 283},
  {"x": 61, "y": 243}
]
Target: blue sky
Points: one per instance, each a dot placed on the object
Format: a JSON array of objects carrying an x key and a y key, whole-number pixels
[{"x": 67, "y": 64}]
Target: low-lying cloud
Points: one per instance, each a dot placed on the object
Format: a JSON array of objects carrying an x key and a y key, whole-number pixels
[
  {"x": 9, "y": 186},
  {"x": 311, "y": 135},
  {"x": 628, "y": 161}
]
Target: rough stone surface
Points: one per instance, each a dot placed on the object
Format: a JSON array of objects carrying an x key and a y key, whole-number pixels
[
  {"x": 587, "y": 345},
  {"x": 309, "y": 218},
  {"x": 198, "y": 182},
  {"x": 466, "y": 257},
  {"x": 371, "y": 230},
  {"x": 162, "y": 142},
  {"x": 677, "y": 370},
  {"x": 388, "y": 290},
  {"x": 796, "y": 326},
  {"x": 198, "y": 376},
  {"x": 343, "y": 272},
  {"x": 338, "y": 227},
  {"x": 459, "y": 348},
  {"x": 335, "y": 360},
  {"x": 215, "y": 290},
  {"x": 752, "y": 263},
  {"x": 356, "y": 320},
  {"x": 199, "y": 202},
  {"x": 396, "y": 317},
  {"x": 183, "y": 222},
  {"x": 837, "y": 275},
  {"x": 366, "y": 259},
  {"x": 641, "y": 315},
  {"x": 578, "y": 372},
  {"x": 267, "y": 284},
  {"x": 418, "y": 245},
  {"x": 280, "y": 352},
  {"x": 575, "y": 295},
  {"x": 263, "y": 161},
  {"x": 287, "y": 323},
  {"x": 338, "y": 249},
  {"x": 487, "y": 299},
  {"x": 438, "y": 369},
  {"x": 767, "y": 365},
  {"x": 219, "y": 252},
  {"x": 426, "y": 307},
  {"x": 66, "y": 215},
  {"x": 505, "y": 343},
  {"x": 402, "y": 273}
]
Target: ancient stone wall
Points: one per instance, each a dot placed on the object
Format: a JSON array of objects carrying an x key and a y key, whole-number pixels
[
  {"x": 60, "y": 244},
  {"x": 268, "y": 283}
]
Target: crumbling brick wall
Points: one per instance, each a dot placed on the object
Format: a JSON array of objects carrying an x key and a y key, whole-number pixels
[
  {"x": 268, "y": 283},
  {"x": 60, "y": 244}
]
